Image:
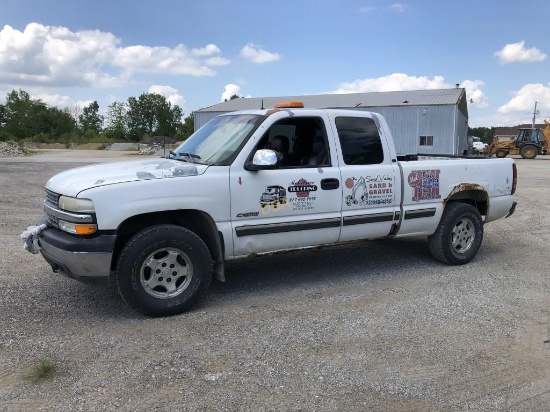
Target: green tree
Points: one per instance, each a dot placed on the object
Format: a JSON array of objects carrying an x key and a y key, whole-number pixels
[
  {"x": 90, "y": 119},
  {"x": 57, "y": 122},
  {"x": 484, "y": 133},
  {"x": 2, "y": 116},
  {"x": 233, "y": 97},
  {"x": 22, "y": 115},
  {"x": 151, "y": 114},
  {"x": 116, "y": 121},
  {"x": 187, "y": 128},
  {"x": 3, "y": 134}
]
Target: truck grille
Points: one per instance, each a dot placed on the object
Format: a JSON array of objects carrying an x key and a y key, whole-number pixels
[{"x": 52, "y": 198}]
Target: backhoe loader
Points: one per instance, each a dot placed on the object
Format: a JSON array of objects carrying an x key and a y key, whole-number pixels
[{"x": 529, "y": 143}]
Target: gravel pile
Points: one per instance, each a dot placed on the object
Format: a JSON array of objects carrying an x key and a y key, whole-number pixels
[{"x": 10, "y": 149}]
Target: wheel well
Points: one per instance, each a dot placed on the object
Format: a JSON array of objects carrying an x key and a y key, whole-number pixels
[
  {"x": 475, "y": 197},
  {"x": 196, "y": 221}
]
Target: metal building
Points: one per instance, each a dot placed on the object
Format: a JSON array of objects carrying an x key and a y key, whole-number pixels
[{"x": 421, "y": 121}]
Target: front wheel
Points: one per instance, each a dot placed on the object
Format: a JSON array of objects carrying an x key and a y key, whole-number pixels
[
  {"x": 163, "y": 270},
  {"x": 500, "y": 153},
  {"x": 458, "y": 236},
  {"x": 528, "y": 152}
]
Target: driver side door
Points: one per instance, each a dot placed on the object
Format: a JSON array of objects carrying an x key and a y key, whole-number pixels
[{"x": 297, "y": 204}]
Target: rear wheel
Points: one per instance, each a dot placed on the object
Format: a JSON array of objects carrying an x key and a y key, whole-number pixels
[
  {"x": 458, "y": 236},
  {"x": 163, "y": 270},
  {"x": 528, "y": 152},
  {"x": 501, "y": 153}
]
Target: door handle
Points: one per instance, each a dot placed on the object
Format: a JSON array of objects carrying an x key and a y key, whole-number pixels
[{"x": 330, "y": 184}]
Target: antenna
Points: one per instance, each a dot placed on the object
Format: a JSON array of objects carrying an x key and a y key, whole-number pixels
[{"x": 262, "y": 105}]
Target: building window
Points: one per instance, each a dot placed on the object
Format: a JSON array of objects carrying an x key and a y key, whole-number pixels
[{"x": 426, "y": 140}]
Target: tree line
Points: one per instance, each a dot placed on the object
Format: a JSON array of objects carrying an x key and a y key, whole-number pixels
[
  {"x": 137, "y": 119},
  {"x": 485, "y": 134}
]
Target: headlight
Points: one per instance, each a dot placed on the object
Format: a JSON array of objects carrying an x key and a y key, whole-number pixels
[{"x": 72, "y": 204}]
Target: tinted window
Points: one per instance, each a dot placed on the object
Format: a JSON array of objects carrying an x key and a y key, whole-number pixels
[{"x": 359, "y": 140}]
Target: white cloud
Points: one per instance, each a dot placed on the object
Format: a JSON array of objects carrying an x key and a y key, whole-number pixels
[
  {"x": 401, "y": 81},
  {"x": 145, "y": 59},
  {"x": 217, "y": 61},
  {"x": 54, "y": 99},
  {"x": 392, "y": 82},
  {"x": 207, "y": 50},
  {"x": 171, "y": 94},
  {"x": 476, "y": 97},
  {"x": 517, "y": 53},
  {"x": 258, "y": 55},
  {"x": 58, "y": 57},
  {"x": 395, "y": 7},
  {"x": 525, "y": 98},
  {"x": 399, "y": 7},
  {"x": 230, "y": 90},
  {"x": 519, "y": 109}
]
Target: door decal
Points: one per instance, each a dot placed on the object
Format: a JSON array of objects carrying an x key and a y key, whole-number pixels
[
  {"x": 273, "y": 199},
  {"x": 303, "y": 199},
  {"x": 370, "y": 190}
]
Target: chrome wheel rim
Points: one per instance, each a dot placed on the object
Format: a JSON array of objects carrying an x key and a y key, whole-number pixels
[
  {"x": 166, "y": 273},
  {"x": 463, "y": 235}
]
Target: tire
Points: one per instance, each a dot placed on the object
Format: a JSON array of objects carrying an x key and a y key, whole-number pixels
[
  {"x": 528, "y": 152},
  {"x": 181, "y": 262},
  {"x": 501, "y": 153},
  {"x": 458, "y": 236}
]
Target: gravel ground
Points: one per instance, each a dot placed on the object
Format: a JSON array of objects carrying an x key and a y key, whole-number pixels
[{"x": 376, "y": 326}]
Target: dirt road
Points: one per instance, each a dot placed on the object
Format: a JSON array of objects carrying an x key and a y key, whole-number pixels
[{"x": 376, "y": 326}]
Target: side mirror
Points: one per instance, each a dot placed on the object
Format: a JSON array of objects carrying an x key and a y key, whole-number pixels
[{"x": 263, "y": 159}]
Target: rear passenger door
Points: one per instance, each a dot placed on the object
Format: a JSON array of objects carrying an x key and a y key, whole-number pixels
[{"x": 370, "y": 177}]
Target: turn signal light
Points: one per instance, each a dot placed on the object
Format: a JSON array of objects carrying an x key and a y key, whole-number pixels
[{"x": 85, "y": 229}]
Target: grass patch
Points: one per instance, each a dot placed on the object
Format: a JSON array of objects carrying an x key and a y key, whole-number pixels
[{"x": 43, "y": 369}]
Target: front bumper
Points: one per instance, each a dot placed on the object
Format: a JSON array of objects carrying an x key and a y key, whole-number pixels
[{"x": 84, "y": 259}]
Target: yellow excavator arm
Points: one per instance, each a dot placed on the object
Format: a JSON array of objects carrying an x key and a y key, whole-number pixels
[{"x": 546, "y": 132}]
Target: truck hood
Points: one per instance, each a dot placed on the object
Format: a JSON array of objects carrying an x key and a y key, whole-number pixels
[{"x": 73, "y": 181}]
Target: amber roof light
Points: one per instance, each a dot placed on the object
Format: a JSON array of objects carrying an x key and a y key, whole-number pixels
[{"x": 289, "y": 105}]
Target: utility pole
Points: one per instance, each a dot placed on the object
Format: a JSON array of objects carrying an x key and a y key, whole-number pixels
[{"x": 534, "y": 115}]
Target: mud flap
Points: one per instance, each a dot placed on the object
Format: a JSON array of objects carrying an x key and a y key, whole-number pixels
[{"x": 512, "y": 210}]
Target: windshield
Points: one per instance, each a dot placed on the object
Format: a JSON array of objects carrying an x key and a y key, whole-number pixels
[{"x": 218, "y": 140}]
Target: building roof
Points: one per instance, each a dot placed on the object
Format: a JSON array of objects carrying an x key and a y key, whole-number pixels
[
  {"x": 513, "y": 131},
  {"x": 434, "y": 97}
]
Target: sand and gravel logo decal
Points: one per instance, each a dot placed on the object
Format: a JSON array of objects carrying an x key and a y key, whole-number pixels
[
  {"x": 425, "y": 184},
  {"x": 303, "y": 189},
  {"x": 369, "y": 190}
]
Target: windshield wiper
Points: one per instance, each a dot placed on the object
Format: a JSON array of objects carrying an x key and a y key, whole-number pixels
[{"x": 189, "y": 157}]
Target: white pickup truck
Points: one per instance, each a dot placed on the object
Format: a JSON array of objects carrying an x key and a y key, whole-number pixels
[{"x": 260, "y": 181}]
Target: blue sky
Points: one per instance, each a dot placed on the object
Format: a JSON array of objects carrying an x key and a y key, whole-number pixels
[{"x": 71, "y": 52}]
